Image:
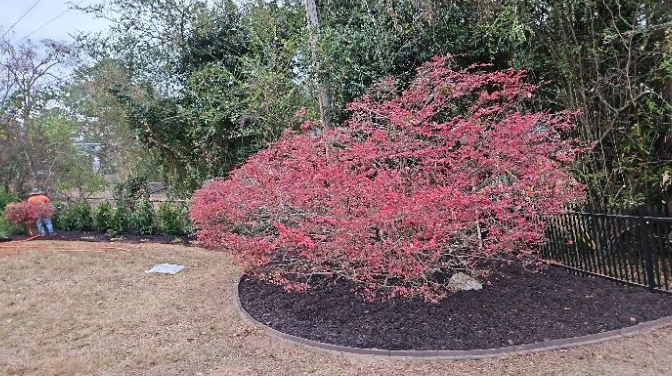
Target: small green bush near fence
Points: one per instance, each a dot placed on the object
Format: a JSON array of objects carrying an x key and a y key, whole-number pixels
[
  {"x": 119, "y": 223},
  {"x": 144, "y": 219},
  {"x": 102, "y": 219},
  {"x": 6, "y": 198},
  {"x": 76, "y": 216},
  {"x": 6, "y": 228},
  {"x": 171, "y": 219}
]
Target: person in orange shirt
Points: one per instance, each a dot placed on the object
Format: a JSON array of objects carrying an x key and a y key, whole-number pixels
[{"x": 38, "y": 197}]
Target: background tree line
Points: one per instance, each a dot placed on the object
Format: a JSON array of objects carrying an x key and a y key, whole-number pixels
[{"x": 188, "y": 89}]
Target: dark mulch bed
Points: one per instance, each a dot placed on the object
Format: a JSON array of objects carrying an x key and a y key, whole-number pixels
[
  {"x": 100, "y": 237},
  {"x": 519, "y": 307}
]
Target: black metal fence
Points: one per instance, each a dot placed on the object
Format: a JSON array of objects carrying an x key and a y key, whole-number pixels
[{"x": 633, "y": 246}]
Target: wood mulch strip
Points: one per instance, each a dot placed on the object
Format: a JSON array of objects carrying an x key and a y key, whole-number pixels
[{"x": 519, "y": 307}]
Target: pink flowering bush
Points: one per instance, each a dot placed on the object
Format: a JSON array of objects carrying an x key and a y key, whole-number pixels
[
  {"x": 25, "y": 213},
  {"x": 448, "y": 175}
]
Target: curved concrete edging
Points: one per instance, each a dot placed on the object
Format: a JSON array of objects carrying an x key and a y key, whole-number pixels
[{"x": 556, "y": 344}]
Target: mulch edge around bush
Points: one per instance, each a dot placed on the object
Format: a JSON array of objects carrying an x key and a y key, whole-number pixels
[
  {"x": 100, "y": 237},
  {"x": 519, "y": 350},
  {"x": 523, "y": 347}
]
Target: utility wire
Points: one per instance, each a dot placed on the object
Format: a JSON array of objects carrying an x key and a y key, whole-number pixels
[
  {"x": 54, "y": 78},
  {"x": 20, "y": 18},
  {"x": 52, "y": 20}
]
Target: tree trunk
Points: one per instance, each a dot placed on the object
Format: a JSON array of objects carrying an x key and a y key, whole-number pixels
[{"x": 323, "y": 90}]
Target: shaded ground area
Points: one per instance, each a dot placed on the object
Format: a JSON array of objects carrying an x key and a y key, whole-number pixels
[
  {"x": 87, "y": 313},
  {"x": 519, "y": 307}
]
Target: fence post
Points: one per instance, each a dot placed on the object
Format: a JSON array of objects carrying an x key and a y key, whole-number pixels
[{"x": 646, "y": 250}]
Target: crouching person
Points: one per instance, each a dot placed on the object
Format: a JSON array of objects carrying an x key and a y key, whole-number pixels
[{"x": 43, "y": 221}]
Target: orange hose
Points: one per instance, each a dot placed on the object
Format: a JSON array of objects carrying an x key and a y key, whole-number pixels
[
  {"x": 9, "y": 244},
  {"x": 16, "y": 252},
  {"x": 24, "y": 251},
  {"x": 46, "y": 247},
  {"x": 118, "y": 248}
]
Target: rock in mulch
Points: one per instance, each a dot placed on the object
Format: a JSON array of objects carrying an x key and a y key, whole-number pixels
[
  {"x": 516, "y": 307},
  {"x": 463, "y": 282}
]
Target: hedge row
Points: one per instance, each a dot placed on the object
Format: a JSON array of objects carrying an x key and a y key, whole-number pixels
[
  {"x": 142, "y": 218},
  {"x": 109, "y": 217}
]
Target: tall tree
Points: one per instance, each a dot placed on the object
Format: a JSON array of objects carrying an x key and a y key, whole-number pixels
[
  {"x": 102, "y": 119},
  {"x": 225, "y": 81},
  {"x": 33, "y": 137},
  {"x": 216, "y": 91},
  {"x": 362, "y": 42},
  {"x": 323, "y": 89},
  {"x": 611, "y": 60}
]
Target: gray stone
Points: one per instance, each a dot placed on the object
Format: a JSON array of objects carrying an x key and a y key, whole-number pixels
[
  {"x": 463, "y": 282},
  {"x": 165, "y": 269}
]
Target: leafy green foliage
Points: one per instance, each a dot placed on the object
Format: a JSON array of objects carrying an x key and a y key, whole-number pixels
[
  {"x": 6, "y": 197},
  {"x": 103, "y": 217},
  {"x": 51, "y": 157},
  {"x": 101, "y": 119},
  {"x": 171, "y": 219},
  {"x": 362, "y": 42},
  {"x": 226, "y": 82},
  {"x": 204, "y": 97},
  {"x": 76, "y": 216},
  {"x": 56, "y": 220},
  {"x": 608, "y": 59},
  {"x": 119, "y": 222},
  {"x": 134, "y": 188},
  {"x": 144, "y": 218},
  {"x": 35, "y": 138},
  {"x": 7, "y": 229}
]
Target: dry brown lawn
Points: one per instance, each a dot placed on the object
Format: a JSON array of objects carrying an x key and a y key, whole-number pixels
[{"x": 80, "y": 309}]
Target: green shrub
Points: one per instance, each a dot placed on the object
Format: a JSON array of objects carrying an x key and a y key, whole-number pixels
[
  {"x": 144, "y": 218},
  {"x": 66, "y": 220},
  {"x": 7, "y": 229},
  {"x": 4, "y": 233},
  {"x": 76, "y": 216},
  {"x": 133, "y": 189},
  {"x": 57, "y": 218},
  {"x": 5, "y": 198},
  {"x": 170, "y": 219},
  {"x": 102, "y": 220},
  {"x": 189, "y": 229},
  {"x": 119, "y": 221}
]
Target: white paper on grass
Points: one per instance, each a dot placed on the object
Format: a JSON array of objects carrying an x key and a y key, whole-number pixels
[{"x": 165, "y": 269}]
